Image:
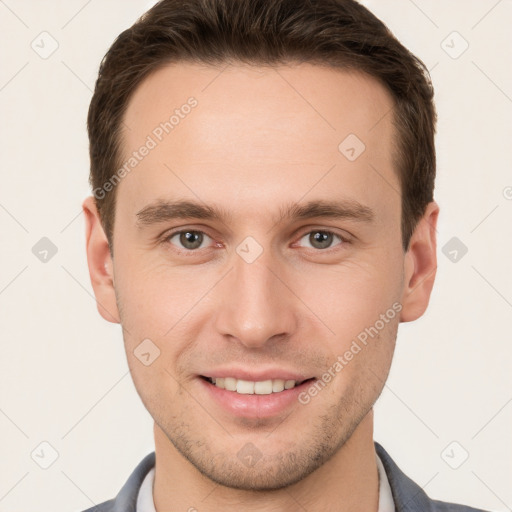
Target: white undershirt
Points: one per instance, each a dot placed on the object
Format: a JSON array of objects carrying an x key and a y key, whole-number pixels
[{"x": 386, "y": 504}]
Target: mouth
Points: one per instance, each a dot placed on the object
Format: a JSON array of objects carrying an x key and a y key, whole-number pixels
[{"x": 247, "y": 387}]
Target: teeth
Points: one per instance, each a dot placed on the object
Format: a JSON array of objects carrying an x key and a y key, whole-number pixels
[
  {"x": 277, "y": 385},
  {"x": 247, "y": 387},
  {"x": 230, "y": 384},
  {"x": 263, "y": 388}
]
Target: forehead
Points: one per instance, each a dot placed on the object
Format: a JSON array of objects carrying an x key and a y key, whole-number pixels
[{"x": 260, "y": 129}]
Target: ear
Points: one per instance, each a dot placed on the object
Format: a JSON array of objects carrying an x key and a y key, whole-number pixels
[
  {"x": 99, "y": 262},
  {"x": 420, "y": 266}
]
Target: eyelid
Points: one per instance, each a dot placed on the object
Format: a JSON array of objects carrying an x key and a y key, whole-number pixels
[{"x": 345, "y": 235}]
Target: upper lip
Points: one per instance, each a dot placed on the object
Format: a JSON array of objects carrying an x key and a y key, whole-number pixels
[{"x": 257, "y": 376}]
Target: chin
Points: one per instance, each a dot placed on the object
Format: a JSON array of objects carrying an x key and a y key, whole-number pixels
[{"x": 264, "y": 476}]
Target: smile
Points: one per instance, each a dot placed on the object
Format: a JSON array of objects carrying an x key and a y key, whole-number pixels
[{"x": 247, "y": 387}]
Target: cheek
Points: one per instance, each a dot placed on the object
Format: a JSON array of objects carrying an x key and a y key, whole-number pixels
[
  {"x": 160, "y": 315},
  {"x": 155, "y": 296},
  {"x": 363, "y": 361},
  {"x": 350, "y": 297},
  {"x": 359, "y": 303}
]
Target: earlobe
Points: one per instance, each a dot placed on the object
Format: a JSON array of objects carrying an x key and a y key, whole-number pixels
[
  {"x": 99, "y": 262},
  {"x": 420, "y": 266}
]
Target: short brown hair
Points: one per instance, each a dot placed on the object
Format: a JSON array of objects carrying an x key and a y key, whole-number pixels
[{"x": 337, "y": 33}]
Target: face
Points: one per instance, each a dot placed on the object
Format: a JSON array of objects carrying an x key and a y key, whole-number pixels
[{"x": 255, "y": 242}]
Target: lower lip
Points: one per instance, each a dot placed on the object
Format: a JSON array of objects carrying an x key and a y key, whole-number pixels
[{"x": 254, "y": 406}]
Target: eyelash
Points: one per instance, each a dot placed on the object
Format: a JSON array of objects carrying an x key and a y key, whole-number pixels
[{"x": 167, "y": 237}]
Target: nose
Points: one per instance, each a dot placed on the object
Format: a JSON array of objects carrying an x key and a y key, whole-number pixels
[{"x": 256, "y": 304}]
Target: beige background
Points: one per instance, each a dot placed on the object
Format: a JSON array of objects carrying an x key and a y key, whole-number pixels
[{"x": 63, "y": 374}]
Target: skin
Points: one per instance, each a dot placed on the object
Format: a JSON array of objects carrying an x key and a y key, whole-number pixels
[{"x": 261, "y": 138}]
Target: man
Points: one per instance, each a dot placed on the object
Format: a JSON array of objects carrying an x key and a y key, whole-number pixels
[{"x": 262, "y": 220}]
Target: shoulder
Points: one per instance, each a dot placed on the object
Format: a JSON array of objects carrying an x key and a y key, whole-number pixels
[
  {"x": 442, "y": 506},
  {"x": 409, "y": 496},
  {"x": 106, "y": 506},
  {"x": 126, "y": 499}
]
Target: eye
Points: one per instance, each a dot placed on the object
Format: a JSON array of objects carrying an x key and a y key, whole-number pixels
[
  {"x": 192, "y": 240},
  {"x": 188, "y": 239},
  {"x": 321, "y": 239}
]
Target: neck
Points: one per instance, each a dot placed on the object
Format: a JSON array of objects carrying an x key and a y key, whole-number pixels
[{"x": 348, "y": 481}]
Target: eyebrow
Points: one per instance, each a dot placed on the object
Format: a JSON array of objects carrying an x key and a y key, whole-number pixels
[{"x": 162, "y": 211}]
